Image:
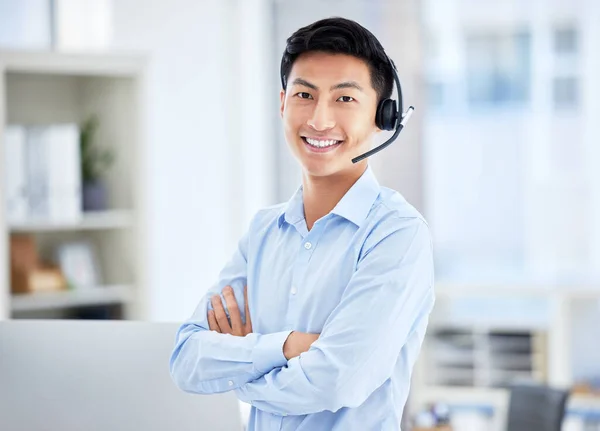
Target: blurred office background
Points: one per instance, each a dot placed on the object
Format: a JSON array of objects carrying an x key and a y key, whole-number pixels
[{"x": 139, "y": 137}]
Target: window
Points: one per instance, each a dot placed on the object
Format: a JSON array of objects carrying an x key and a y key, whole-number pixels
[
  {"x": 498, "y": 68},
  {"x": 565, "y": 40},
  {"x": 565, "y": 85},
  {"x": 565, "y": 92}
]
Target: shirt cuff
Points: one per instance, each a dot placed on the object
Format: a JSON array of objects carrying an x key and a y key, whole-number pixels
[{"x": 268, "y": 352}]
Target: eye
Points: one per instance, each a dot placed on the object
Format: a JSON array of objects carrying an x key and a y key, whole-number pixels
[
  {"x": 304, "y": 95},
  {"x": 346, "y": 99}
]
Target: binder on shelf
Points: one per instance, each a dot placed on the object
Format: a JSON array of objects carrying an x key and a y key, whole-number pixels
[
  {"x": 64, "y": 185},
  {"x": 37, "y": 174},
  {"x": 15, "y": 173},
  {"x": 43, "y": 173}
]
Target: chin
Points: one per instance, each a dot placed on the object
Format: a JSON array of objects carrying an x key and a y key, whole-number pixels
[
  {"x": 319, "y": 172},
  {"x": 325, "y": 168}
]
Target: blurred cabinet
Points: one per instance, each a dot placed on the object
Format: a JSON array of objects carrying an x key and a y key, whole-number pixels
[
  {"x": 485, "y": 358},
  {"x": 44, "y": 88},
  {"x": 482, "y": 338}
]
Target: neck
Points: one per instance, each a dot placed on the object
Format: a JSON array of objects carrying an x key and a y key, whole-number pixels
[{"x": 322, "y": 194}]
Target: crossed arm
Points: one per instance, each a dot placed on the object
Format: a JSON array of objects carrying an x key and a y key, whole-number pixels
[
  {"x": 214, "y": 353},
  {"x": 295, "y": 344},
  {"x": 384, "y": 307}
]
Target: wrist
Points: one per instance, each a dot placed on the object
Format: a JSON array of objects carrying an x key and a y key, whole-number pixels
[
  {"x": 287, "y": 346},
  {"x": 268, "y": 351}
]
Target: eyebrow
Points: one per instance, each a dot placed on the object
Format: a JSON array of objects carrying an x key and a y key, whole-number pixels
[{"x": 347, "y": 84}]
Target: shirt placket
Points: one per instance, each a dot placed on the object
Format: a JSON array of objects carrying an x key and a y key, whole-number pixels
[{"x": 307, "y": 248}]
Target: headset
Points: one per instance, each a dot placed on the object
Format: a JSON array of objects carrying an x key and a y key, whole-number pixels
[{"x": 389, "y": 114}]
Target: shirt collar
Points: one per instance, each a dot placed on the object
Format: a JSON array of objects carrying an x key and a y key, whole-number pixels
[
  {"x": 354, "y": 205},
  {"x": 293, "y": 211}
]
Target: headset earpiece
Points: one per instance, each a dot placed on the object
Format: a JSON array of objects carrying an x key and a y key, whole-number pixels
[
  {"x": 390, "y": 115},
  {"x": 386, "y": 116}
]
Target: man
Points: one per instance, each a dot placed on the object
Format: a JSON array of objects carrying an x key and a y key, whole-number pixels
[{"x": 319, "y": 316}]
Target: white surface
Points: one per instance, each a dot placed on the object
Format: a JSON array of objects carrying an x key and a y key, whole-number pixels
[
  {"x": 4, "y": 271},
  {"x": 257, "y": 107},
  {"x": 25, "y": 24},
  {"x": 83, "y": 25},
  {"x": 121, "y": 64},
  {"x": 590, "y": 70},
  {"x": 98, "y": 376},
  {"x": 98, "y": 295},
  {"x": 93, "y": 220},
  {"x": 195, "y": 176},
  {"x": 497, "y": 290}
]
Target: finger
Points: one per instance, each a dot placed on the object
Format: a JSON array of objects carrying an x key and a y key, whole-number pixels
[
  {"x": 220, "y": 314},
  {"x": 247, "y": 310},
  {"x": 212, "y": 321},
  {"x": 234, "y": 311}
]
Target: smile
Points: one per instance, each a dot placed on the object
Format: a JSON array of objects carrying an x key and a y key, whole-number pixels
[{"x": 321, "y": 145}]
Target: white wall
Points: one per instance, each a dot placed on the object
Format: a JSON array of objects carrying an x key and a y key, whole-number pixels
[
  {"x": 197, "y": 200},
  {"x": 256, "y": 93}
]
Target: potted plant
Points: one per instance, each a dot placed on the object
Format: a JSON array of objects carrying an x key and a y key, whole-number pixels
[{"x": 95, "y": 162}]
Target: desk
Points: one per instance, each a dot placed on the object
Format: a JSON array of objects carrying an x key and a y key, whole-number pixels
[{"x": 71, "y": 375}]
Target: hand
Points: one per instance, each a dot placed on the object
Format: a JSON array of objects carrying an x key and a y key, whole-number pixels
[
  {"x": 217, "y": 318},
  {"x": 297, "y": 343}
]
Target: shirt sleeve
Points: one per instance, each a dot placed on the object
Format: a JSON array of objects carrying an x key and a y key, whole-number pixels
[
  {"x": 205, "y": 361},
  {"x": 388, "y": 298}
]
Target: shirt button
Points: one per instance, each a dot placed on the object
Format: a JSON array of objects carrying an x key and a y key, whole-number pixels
[
  {"x": 307, "y": 245},
  {"x": 294, "y": 290},
  {"x": 230, "y": 383}
]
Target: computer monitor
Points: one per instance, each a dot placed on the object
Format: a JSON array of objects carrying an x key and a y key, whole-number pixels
[{"x": 70, "y": 375}]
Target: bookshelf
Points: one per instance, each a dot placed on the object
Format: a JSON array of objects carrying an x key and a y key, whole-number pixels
[{"x": 41, "y": 88}]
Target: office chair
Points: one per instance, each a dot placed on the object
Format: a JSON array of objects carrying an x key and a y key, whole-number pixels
[{"x": 536, "y": 408}]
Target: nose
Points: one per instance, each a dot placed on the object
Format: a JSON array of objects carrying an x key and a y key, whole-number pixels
[{"x": 322, "y": 117}]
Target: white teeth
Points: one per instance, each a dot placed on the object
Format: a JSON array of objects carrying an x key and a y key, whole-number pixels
[{"x": 321, "y": 143}]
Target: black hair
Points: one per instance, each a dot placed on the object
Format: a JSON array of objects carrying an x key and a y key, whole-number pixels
[{"x": 341, "y": 36}]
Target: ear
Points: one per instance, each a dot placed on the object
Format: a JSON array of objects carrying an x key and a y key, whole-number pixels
[{"x": 282, "y": 100}]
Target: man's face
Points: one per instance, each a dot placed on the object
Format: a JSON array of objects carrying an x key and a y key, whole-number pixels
[{"x": 329, "y": 100}]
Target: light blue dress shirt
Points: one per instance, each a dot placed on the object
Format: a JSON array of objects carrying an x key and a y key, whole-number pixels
[{"x": 362, "y": 277}]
